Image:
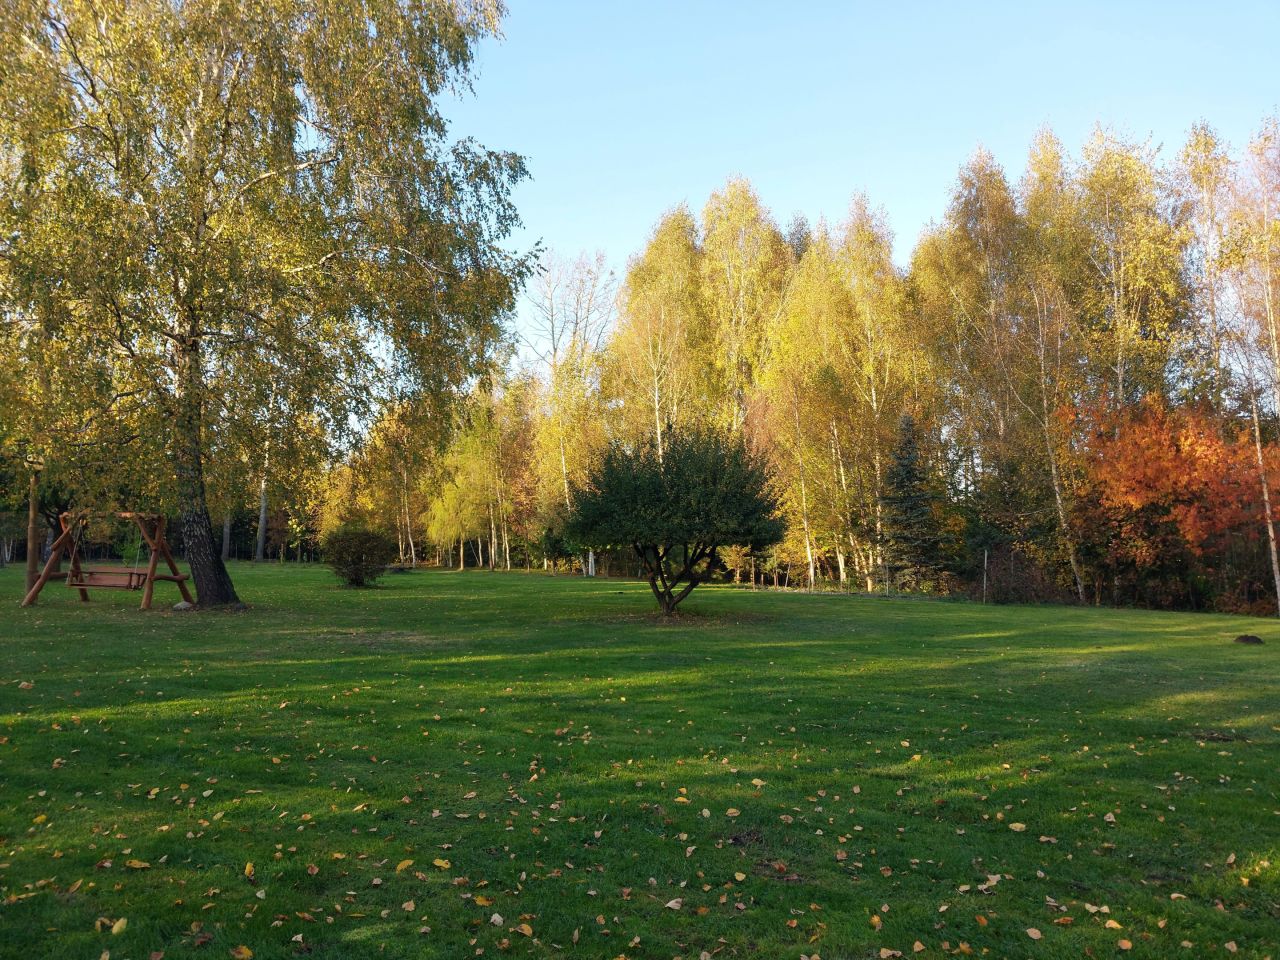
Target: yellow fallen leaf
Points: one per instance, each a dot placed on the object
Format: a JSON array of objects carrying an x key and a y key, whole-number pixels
[
  {"x": 525, "y": 929},
  {"x": 441, "y": 863},
  {"x": 119, "y": 926},
  {"x": 739, "y": 876},
  {"x": 732, "y": 812},
  {"x": 242, "y": 953},
  {"x": 137, "y": 864},
  {"x": 917, "y": 947},
  {"x": 403, "y": 865},
  {"x": 248, "y": 871},
  {"x": 1112, "y": 925},
  {"x": 1017, "y": 827},
  {"x": 483, "y": 901}
]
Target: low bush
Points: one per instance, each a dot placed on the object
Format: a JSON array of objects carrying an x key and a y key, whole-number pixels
[{"x": 358, "y": 555}]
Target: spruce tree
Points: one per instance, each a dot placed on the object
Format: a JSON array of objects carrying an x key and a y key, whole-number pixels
[{"x": 913, "y": 534}]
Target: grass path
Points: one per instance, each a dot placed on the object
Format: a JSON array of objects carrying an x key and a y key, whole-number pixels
[{"x": 471, "y": 764}]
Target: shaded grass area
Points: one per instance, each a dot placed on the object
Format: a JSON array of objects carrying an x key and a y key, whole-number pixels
[{"x": 770, "y": 776}]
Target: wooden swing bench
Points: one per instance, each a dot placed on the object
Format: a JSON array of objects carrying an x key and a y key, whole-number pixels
[{"x": 111, "y": 577}]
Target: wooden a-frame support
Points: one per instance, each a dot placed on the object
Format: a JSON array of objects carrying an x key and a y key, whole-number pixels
[{"x": 120, "y": 578}]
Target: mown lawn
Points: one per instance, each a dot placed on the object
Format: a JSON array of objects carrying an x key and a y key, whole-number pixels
[{"x": 458, "y": 765}]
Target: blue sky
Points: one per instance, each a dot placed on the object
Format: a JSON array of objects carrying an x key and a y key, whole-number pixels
[{"x": 625, "y": 109}]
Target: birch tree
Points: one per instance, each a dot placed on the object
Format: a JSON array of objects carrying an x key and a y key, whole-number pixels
[{"x": 232, "y": 177}]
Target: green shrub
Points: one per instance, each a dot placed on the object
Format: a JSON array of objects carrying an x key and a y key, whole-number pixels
[{"x": 358, "y": 555}]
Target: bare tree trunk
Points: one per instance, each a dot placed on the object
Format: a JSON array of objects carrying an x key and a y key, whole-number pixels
[
  {"x": 260, "y": 547},
  {"x": 33, "y": 529},
  {"x": 1062, "y": 515},
  {"x": 493, "y": 538},
  {"x": 1266, "y": 498},
  {"x": 408, "y": 533},
  {"x": 226, "y": 536}
]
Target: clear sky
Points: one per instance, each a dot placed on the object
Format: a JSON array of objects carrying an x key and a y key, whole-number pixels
[{"x": 624, "y": 109}]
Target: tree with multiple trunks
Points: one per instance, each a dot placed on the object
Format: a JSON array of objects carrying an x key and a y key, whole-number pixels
[
  {"x": 236, "y": 186},
  {"x": 675, "y": 510}
]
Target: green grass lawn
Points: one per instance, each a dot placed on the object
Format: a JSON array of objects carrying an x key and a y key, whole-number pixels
[{"x": 458, "y": 765}]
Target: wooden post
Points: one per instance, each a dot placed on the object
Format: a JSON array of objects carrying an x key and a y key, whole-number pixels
[
  {"x": 74, "y": 574},
  {"x": 162, "y": 544},
  {"x": 55, "y": 557},
  {"x": 149, "y": 585}
]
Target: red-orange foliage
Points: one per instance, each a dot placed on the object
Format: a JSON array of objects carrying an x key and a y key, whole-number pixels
[
  {"x": 1168, "y": 497},
  {"x": 1176, "y": 465}
]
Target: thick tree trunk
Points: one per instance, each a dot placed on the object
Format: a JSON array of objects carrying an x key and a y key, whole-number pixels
[
  {"x": 33, "y": 529},
  {"x": 213, "y": 584}
]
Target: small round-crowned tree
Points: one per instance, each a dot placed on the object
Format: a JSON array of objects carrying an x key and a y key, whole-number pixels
[{"x": 675, "y": 506}]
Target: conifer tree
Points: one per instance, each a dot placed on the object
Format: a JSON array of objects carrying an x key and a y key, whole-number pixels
[{"x": 914, "y": 548}]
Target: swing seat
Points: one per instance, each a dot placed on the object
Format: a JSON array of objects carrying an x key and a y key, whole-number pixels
[
  {"x": 109, "y": 578},
  {"x": 84, "y": 579}
]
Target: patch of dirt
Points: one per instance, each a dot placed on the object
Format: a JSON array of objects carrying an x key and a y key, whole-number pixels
[
  {"x": 1214, "y": 736},
  {"x": 776, "y": 870},
  {"x": 746, "y": 838}
]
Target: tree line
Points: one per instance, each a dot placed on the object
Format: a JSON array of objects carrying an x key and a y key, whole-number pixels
[
  {"x": 249, "y": 278},
  {"x": 1069, "y": 393}
]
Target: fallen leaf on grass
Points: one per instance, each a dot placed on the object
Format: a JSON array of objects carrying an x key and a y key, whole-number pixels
[
  {"x": 403, "y": 865},
  {"x": 1033, "y": 933}
]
